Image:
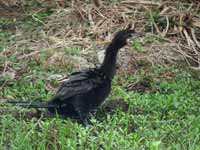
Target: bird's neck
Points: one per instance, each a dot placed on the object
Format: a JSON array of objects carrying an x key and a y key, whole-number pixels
[{"x": 109, "y": 64}]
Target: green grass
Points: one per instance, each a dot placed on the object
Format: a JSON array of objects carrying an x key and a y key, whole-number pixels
[
  {"x": 28, "y": 23},
  {"x": 166, "y": 116},
  {"x": 35, "y": 20},
  {"x": 5, "y": 38}
]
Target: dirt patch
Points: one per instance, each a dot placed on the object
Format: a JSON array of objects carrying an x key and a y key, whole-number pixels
[
  {"x": 142, "y": 86},
  {"x": 112, "y": 105},
  {"x": 11, "y": 12}
]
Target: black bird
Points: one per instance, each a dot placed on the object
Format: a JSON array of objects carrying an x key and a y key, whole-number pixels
[{"x": 84, "y": 91}]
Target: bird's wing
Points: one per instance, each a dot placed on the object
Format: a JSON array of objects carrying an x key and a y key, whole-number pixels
[{"x": 79, "y": 83}]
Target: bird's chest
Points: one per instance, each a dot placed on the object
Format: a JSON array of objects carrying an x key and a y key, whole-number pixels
[{"x": 103, "y": 91}]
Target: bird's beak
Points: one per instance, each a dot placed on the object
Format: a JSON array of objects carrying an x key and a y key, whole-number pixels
[{"x": 134, "y": 36}]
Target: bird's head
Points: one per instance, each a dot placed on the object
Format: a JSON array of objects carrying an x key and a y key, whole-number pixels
[{"x": 121, "y": 37}]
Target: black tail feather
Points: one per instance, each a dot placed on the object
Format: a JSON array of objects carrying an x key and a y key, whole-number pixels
[{"x": 33, "y": 104}]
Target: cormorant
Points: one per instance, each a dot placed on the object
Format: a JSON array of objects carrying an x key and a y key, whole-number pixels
[{"x": 85, "y": 90}]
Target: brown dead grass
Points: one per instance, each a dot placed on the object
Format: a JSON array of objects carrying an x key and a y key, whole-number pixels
[{"x": 89, "y": 27}]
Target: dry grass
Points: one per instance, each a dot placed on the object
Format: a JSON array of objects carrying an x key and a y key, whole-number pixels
[{"x": 89, "y": 27}]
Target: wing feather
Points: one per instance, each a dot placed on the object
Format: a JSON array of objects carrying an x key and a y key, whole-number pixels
[{"x": 79, "y": 83}]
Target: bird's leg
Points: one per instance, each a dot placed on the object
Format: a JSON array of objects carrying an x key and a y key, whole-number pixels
[
  {"x": 83, "y": 118},
  {"x": 38, "y": 113}
]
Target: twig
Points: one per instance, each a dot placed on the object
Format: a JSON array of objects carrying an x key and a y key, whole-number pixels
[
  {"x": 194, "y": 38},
  {"x": 30, "y": 54},
  {"x": 187, "y": 38},
  {"x": 141, "y": 2},
  {"x": 167, "y": 27},
  {"x": 5, "y": 66},
  {"x": 35, "y": 18}
]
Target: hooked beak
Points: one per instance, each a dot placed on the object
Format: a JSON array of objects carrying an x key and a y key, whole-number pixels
[{"x": 134, "y": 36}]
